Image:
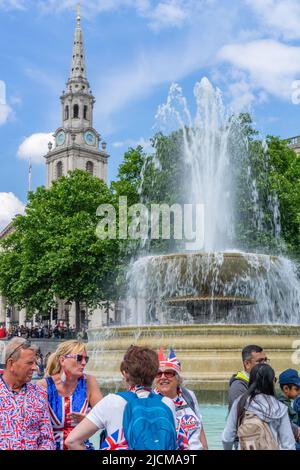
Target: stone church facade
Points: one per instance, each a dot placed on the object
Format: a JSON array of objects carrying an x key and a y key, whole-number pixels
[{"x": 77, "y": 145}]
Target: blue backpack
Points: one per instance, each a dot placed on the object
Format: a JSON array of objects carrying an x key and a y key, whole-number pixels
[{"x": 148, "y": 423}]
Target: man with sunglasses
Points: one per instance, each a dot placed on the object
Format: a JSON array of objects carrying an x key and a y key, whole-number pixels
[
  {"x": 24, "y": 414},
  {"x": 289, "y": 383}
]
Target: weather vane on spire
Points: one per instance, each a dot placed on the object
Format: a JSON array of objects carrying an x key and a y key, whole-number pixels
[{"x": 78, "y": 13}]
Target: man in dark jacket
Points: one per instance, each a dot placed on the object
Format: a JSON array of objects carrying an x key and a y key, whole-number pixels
[{"x": 238, "y": 383}]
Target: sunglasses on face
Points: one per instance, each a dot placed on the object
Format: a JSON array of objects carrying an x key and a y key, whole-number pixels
[
  {"x": 78, "y": 357},
  {"x": 169, "y": 374}
]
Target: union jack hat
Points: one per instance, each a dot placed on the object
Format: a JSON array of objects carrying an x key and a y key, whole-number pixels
[{"x": 170, "y": 362}]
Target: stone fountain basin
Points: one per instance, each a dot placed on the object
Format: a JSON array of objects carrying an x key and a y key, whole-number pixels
[
  {"x": 210, "y": 354},
  {"x": 204, "y": 276}
]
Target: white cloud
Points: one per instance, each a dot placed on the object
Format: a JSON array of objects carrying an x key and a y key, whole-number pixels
[
  {"x": 35, "y": 146},
  {"x": 5, "y": 110},
  {"x": 242, "y": 95},
  {"x": 145, "y": 143},
  {"x": 161, "y": 15},
  {"x": 12, "y": 4},
  {"x": 17, "y": 100},
  {"x": 271, "y": 66},
  {"x": 10, "y": 205},
  {"x": 280, "y": 16},
  {"x": 5, "y": 113},
  {"x": 167, "y": 14}
]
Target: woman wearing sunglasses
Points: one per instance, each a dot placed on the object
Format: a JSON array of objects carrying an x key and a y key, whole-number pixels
[
  {"x": 71, "y": 393},
  {"x": 168, "y": 383}
]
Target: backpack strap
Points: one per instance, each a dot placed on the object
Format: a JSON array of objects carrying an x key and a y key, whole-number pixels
[{"x": 189, "y": 399}]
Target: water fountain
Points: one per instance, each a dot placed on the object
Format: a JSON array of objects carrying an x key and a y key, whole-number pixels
[{"x": 209, "y": 301}]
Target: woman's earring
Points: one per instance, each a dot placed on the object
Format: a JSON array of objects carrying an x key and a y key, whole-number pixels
[{"x": 63, "y": 377}]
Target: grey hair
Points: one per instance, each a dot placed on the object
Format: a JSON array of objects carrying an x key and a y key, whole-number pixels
[
  {"x": 179, "y": 378},
  {"x": 14, "y": 346}
]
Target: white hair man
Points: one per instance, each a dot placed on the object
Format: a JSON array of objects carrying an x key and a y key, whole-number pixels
[{"x": 24, "y": 413}]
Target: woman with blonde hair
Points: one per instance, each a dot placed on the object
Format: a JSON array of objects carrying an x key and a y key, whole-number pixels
[{"x": 71, "y": 393}]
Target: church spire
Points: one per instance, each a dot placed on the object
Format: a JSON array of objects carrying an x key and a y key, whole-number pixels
[
  {"x": 78, "y": 68},
  {"x": 76, "y": 140}
]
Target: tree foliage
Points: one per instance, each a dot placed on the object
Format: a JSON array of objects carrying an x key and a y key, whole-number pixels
[{"x": 54, "y": 251}]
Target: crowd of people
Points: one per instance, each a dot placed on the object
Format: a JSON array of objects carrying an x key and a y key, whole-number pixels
[
  {"x": 156, "y": 412},
  {"x": 58, "y": 331}
]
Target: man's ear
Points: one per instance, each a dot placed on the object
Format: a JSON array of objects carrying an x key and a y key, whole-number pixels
[
  {"x": 125, "y": 375},
  {"x": 9, "y": 364}
]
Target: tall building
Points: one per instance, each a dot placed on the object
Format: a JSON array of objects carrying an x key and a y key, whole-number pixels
[{"x": 76, "y": 140}]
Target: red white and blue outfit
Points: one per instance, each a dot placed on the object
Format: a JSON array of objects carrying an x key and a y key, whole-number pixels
[
  {"x": 24, "y": 418},
  {"x": 61, "y": 406},
  {"x": 188, "y": 420}
]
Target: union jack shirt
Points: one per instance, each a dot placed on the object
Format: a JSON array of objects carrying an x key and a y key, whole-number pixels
[{"x": 24, "y": 418}]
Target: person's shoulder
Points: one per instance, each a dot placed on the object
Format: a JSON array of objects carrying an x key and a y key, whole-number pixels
[{"x": 238, "y": 383}]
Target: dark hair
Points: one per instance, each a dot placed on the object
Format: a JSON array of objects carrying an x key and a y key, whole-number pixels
[
  {"x": 287, "y": 385},
  {"x": 261, "y": 380},
  {"x": 141, "y": 364},
  {"x": 248, "y": 350}
]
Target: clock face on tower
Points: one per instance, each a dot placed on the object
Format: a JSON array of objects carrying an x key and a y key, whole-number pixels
[
  {"x": 60, "y": 138},
  {"x": 90, "y": 138}
]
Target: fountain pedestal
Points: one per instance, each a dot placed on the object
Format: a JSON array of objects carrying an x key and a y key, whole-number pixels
[{"x": 210, "y": 354}]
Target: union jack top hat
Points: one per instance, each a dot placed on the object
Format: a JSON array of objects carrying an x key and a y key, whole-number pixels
[{"x": 170, "y": 362}]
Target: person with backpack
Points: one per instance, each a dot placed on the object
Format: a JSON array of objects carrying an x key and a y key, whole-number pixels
[
  {"x": 260, "y": 421},
  {"x": 137, "y": 419},
  {"x": 168, "y": 383}
]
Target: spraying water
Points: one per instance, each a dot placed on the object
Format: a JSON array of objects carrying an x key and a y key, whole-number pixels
[{"x": 206, "y": 140}]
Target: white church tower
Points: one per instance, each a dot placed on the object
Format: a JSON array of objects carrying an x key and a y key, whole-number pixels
[{"x": 76, "y": 141}]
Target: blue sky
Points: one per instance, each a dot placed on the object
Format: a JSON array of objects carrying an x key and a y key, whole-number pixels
[{"x": 135, "y": 49}]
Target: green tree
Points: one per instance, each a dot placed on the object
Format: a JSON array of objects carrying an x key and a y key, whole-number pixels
[
  {"x": 54, "y": 251},
  {"x": 152, "y": 179},
  {"x": 285, "y": 178}
]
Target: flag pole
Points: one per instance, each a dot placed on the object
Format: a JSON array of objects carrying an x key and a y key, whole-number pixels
[{"x": 29, "y": 175}]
